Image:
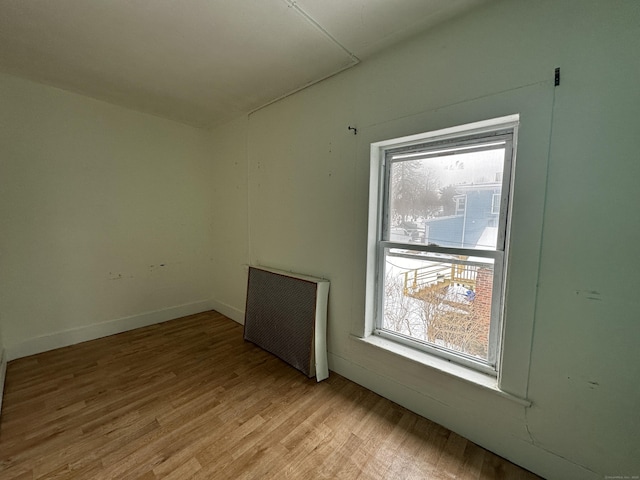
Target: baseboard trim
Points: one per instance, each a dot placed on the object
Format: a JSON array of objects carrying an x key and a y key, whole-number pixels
[
  {"x": 3, "y": 374},
  {"x": 228, "y": 311},
  {"x": 72, "y": 336}
]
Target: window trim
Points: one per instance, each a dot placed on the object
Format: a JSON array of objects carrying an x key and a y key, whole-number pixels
[{"x": 379, "y": 164}]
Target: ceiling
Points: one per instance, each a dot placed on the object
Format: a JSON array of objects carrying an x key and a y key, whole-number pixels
[{"x": 202, "y": 62}]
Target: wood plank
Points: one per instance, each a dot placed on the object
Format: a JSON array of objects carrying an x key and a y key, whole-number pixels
[{"x": 190, "y": 399}]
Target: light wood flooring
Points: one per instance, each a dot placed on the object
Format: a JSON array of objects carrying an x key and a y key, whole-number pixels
[{"x": 190, "y": 399}]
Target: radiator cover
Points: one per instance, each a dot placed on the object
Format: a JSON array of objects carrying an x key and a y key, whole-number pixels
[{"x": 286, "y": 314}]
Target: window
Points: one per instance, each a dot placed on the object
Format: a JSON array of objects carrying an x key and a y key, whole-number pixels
[
  {"x": 495, "y": 204},
  {"x": 461, "y": 203},
  {"x": 442, "y": 290}
]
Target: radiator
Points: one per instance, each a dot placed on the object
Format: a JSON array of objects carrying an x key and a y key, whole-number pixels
[{"x": 286, "y": 314}]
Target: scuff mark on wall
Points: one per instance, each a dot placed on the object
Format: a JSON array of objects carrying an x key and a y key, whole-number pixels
[
  {"x": 591, "y": 384},
  {"x": 118, "y": 276},
  {"x": 590, "y": 294}
]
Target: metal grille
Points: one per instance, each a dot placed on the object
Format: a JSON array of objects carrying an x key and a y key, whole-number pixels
[{"x": 280, "y": 316}]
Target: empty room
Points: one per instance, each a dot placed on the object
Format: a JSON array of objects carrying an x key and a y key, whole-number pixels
[{"x": 373, "y": 239}]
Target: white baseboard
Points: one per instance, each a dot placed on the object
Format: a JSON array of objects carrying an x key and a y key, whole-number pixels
[
  {"x": 228, "y": 311},
  {"x": 3, "y": 373},
  {"x": 104, "y": 329}
]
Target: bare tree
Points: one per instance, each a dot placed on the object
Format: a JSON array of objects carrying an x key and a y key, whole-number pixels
[
  {"x": 414, "y": 191},
  {"x": 401, "y": 312},
  {"x": 452, "y": 323},
  {"x": 436, "y": 316}
]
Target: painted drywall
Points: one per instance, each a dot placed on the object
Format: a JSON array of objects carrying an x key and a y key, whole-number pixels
[
  {"x": 571, "y": 296},
  {"x": 105, "y": 217}
]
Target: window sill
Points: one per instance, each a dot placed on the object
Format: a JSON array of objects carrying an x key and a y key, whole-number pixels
[{"x": 466, "y": 374}]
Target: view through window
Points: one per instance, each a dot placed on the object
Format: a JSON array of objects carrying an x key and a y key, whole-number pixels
[{"x": 442, "y": 248}]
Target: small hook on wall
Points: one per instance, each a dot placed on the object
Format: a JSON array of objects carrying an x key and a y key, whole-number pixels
[{"x": 355, "y": 130}]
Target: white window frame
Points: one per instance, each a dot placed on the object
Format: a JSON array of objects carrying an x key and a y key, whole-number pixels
[{"x": 379, "y": 172}]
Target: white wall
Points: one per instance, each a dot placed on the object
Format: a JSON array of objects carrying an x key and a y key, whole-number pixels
[
  {"x": 112, "y": 219},
  {"x": 305, "y": 201},
  {"x": 230, "y": 244},
  {"x": 105, "y": 216}
]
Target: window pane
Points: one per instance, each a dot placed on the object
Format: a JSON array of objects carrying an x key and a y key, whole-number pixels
[
  {"x": 448, "y": 199},
  {"x": 440, "y": 300}
]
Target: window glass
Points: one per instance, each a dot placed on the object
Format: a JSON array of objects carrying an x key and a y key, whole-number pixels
[
  {"x": 451, "y": 196},
  {"x": 439, "y": 300},
  {"x": 441, "y": 251}
]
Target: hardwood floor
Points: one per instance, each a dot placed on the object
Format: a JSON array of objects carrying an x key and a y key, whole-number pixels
[{"x": 190, "y": 399}]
